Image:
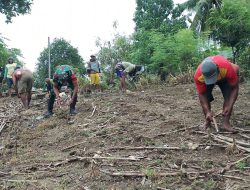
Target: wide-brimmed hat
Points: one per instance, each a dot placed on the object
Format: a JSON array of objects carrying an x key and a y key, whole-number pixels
[{"x": 209, "y": 70}]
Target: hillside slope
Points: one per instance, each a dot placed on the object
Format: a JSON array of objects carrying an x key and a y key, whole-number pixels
[{"x": 148, "y": 139}]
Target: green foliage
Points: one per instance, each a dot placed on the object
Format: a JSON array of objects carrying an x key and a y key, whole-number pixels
[
  {"x": 202, "y": 12},
  {"x": 149, "y": 172},
  {"x": 231, "y": 25},
  {"x": 241, "y": 165},
  {"x": 151, "y": 14},
  {"x": 142, "y": 48},
  {"x": 158, "y": 15},
  {"x": 173, "y": 52},
  {"x": 164, "y": 44},
  {"x": 186, "y": 50},
  {"x": 14, "y": 7},
  {"x": 82, "y": 81},
  {"x": 61, "y": 53},
  {"x": 244, "y": 62},
  {"x": 5, "y": 53},
  {"x": 119, "y": 49}
]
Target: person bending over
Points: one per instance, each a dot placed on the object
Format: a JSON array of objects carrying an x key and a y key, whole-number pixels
[{"x": 217, "y": 70}]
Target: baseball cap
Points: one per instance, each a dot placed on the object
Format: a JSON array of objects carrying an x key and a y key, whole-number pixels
[{"x": 209, "y": 70}]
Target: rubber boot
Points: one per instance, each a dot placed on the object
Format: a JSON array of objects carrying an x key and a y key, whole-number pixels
[{"x": 72, "y": 110}]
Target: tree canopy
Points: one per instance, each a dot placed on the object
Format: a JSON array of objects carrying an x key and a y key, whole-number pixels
[
  {"x": 13, "y": 8},
  {"x": 202, "y": 10},
  {"x": 231, "y": 25},
  {"x": 160, "y": 41},
  {"x": 6, "y": 52},
  {"x": 3, "y": 52},
  {"x": 158, "y": 15},
  {"x": 61, "y": 53}
]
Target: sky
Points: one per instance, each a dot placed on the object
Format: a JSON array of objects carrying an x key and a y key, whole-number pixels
[{"x": 80, "y": 22}]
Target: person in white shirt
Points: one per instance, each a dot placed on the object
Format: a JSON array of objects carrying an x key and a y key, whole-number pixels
[{"x": 9, "y": 70}]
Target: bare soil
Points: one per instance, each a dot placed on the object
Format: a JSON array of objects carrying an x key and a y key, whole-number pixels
[{"x": 147, "y": 139}]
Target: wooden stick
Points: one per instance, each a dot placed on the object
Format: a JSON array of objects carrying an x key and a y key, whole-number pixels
[
  {"x": 224, "y": 141},
  {"x": 145, "y": 148},
  {"x": 93, "y": 112},
  {"x": 2, "y": 126},
  {"x": 231, "y": 140},
  {"x": 245, "y": 136},
  {"x": 71, "y": 146},
  {"x": 215, "y": 125},
  {"x": 214, "y": 121},
  {"x": 104, "y": 123},
  {"x": 235, "y": 177},
  {"x": 18, "y": 180},
  {"x": 78, "y": 158},
  {"x": 243, "y": 130},
  {"x": 3, "y": 174},
  {"x": 177, "y": 130},
  {"x": 228, "y": 167},
  {"x": 218, "y": 113},
  {"x": 161, "y": 188},
  {"x": 138, "y": 174},
  {"x": 112, "y": 158},
  {"x": 164, "y": 174}
]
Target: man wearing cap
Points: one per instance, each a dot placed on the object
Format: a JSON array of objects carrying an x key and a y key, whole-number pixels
[{"x": 217, "y": 70}]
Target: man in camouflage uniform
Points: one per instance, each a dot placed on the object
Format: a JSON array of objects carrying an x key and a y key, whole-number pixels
[{"x": 63, "y": 76}]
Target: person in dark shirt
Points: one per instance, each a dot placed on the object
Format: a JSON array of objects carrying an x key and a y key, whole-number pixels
[
  {"x": 49, "y": 86},
  {"x": 63, "y": 76}
]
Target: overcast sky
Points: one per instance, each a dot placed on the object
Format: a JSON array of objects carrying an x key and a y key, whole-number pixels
[{"x": 78, "y": 21}]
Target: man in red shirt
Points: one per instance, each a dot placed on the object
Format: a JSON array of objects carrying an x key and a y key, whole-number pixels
[{"x": 217, "y": 70}]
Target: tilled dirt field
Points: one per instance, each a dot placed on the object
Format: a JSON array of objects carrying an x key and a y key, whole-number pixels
[{"x": 148, "y": 139}]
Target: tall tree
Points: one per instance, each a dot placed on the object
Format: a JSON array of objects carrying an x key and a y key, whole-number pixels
[
  {"x": 6, "y": 52},
  {"x": 119, "y": 49},
  {"x": 158, "y": 14},
  {"x": 231, "y": 25},
  {"x": 202, "y": 9},
  {"x": 3, "y": 52},
  {"x": 174, "y": 53},
  {"x": 142, "y": 47},
  {"x": 153, "y": 16},
  {"x": 13, "y": 8},
  {"x": 62, "y": 53}
]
